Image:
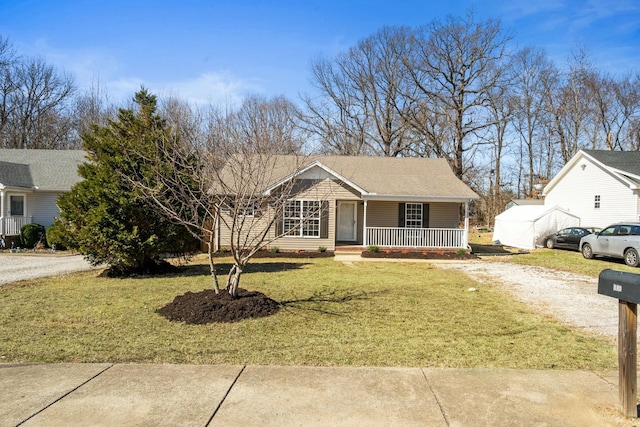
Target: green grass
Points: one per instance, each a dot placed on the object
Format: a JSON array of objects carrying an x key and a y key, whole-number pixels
[
  {"x": 368, "y": 314},
  {"x": 571, "y": 261}
]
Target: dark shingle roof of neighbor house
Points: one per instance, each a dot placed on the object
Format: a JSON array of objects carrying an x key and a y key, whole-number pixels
[
  {"x": 627, "y": 161},
  {"x": 385, "y": 176},
  {"x": 44, "y": 170}
]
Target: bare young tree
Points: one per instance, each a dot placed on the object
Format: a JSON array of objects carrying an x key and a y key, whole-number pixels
[{"x": 217, "y": 177}]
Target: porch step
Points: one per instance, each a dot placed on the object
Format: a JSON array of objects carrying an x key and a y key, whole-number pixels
[{"x": 344, "y": 250}]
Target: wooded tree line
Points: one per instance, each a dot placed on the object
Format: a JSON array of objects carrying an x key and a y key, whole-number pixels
[{"x": 504, "y": 118}]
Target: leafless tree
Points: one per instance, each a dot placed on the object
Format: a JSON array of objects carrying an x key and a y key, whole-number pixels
[
  {"x": 569, "y": 104},
  {"x": 39, "y": 106},
  {"x": 615, "y": 103},
  {"x": 91, "y": 107},
  {"x": 501, "y": 108},
  {"x": 8, "y": 86},
  {"x": 362, "y": 102},
  {"x": 216, "y": 176},
  {"x": 35, "y": 102},
  {"x": 532, "y": 72},
  {"x": 455, "y": 65}
]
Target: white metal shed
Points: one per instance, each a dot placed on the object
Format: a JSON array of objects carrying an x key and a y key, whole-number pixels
[{"x": 526, "y": 226}]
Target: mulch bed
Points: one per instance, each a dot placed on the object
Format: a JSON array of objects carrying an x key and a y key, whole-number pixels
[
  {"x": 285, "y": 254},
  {"x": 405, "y": 254},
  {"x": 198, "y": 308}
]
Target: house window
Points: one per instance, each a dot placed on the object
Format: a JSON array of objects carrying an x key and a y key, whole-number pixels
[
  {"x": 16, "y": 204},
  {"x": 596, "y": 201},
  {"x": 301, "y": 218},
  {"x": 413, "y": 215},
  {"x": 248, "y": 208}
]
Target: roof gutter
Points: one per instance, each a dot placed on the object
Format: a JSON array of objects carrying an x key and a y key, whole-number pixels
[{"x": 406, "y": 198}]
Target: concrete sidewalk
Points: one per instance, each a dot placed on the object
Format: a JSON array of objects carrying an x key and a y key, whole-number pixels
[{"x": 206, "y": 395}]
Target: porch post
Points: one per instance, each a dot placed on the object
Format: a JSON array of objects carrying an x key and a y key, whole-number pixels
[
  {"x": 2, "y": 230},
  {"x": 364, "y": 225},
  {"x": 466, "y": 225}
]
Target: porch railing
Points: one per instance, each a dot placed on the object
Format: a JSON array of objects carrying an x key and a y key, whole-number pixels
[
  {"x": 416, "y": 237},
  {"x": 11, "y": 225}
]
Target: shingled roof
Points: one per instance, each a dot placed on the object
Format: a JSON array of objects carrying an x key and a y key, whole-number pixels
[
  {"x": 400, "y": 176},
  {"x": 624, "y": 161},
  {"x": 44, "y": 170},
  {"x": 380, "y": 177}
]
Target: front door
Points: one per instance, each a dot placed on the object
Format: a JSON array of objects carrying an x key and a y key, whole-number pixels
[{"x": 347, "y": 221}]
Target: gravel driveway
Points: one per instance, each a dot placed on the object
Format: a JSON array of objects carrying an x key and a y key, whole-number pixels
[
  {"x": 24, "y": 267},
  {"x": 570, "y": 298}
]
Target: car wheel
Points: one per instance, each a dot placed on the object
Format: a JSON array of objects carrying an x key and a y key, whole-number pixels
[
  {"x": 549, "y": 243},
  {"x": 587, "y": 252},
  {"x": 631, "y": 258}
]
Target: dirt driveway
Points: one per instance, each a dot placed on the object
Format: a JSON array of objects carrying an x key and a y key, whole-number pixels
[
  {"x": 570, "y": 298},
  {"x": 15, "y": 267}
]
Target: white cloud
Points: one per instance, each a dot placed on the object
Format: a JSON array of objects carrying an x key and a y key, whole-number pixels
[{"x": 211, "y": 88}]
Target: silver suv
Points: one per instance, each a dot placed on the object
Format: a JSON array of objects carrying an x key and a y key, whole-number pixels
[{"x": 620, "y": 240}]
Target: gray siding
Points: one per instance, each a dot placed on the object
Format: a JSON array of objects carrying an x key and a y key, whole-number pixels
[
  {"x": 385, "y": 214},
  {"x": 324, "y": 189},
  {"x": 382, "y": 214},
  {"x": 43, "y": 207},
  {"x": 444, "y": 215}
]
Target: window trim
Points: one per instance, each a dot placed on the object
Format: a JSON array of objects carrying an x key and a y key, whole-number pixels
[
  {"x": 24, "y": 205},
  {"x": 414, "y": 221},
  {"x": 301, "y": 221}
]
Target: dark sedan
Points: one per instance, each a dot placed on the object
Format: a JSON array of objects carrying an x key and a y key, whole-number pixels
[{"x": 568, "y": 238}]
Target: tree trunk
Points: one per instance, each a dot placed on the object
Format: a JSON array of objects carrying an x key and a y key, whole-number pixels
[
  {"x": 212, "y": 266},
  {"x": 233, "y": 280}
]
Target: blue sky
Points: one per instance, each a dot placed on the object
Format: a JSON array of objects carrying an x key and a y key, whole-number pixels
[{"x": 217, "y": 51}]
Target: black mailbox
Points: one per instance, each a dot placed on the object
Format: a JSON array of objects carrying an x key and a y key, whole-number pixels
[{"x": 619, "y": 284}]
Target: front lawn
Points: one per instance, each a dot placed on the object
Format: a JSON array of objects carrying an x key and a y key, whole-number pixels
[{"x": 365, "y": 314}]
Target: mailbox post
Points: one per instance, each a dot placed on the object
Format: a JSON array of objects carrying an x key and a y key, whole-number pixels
[{"x": 626, "y": 288}]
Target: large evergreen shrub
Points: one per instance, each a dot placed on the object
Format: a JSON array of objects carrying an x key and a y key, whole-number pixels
[{"x": 31, "y": 234}]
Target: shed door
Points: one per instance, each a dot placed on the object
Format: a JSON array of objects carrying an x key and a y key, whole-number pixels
[{"x": 347, "y": 221}]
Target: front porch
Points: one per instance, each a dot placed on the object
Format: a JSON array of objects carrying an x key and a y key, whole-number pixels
[
  {"x": 416, "y": 238},
  {"x": 403, "y": 224}
]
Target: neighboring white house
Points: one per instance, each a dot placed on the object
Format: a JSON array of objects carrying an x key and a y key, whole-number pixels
[
  {"x": 599, "y": 186},
  {"x": 30, "y": 182}
]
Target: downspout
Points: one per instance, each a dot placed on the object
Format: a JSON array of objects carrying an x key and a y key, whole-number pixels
[{"x": 2, "y": 231}]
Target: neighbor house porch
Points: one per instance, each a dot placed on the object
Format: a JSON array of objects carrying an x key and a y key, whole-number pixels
[
  {"x": 13, "y": 212},
  {"x": 11, "y": 225}
]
